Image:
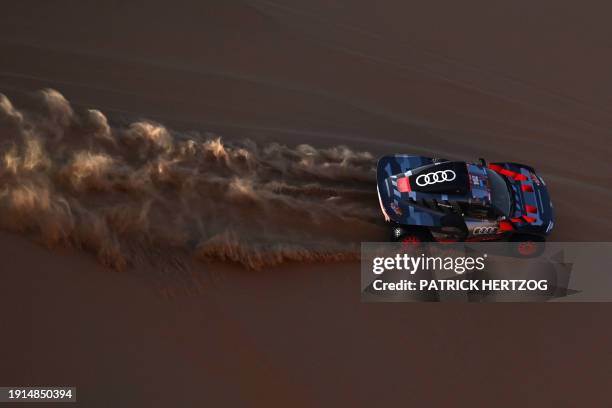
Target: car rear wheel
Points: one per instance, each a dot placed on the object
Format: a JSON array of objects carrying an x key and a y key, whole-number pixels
[{"x": 411, "y": 235}]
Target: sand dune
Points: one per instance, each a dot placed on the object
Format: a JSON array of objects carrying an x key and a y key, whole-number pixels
[{"x": 123, "y": 163}]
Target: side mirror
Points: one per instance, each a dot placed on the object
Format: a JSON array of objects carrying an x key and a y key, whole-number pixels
[{"x": 482, "y": 161}]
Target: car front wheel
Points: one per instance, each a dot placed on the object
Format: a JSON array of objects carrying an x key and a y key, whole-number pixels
[{"x": 526, "y": 245}]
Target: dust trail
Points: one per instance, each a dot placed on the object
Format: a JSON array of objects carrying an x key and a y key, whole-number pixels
[{"x": 142, "y": 193}]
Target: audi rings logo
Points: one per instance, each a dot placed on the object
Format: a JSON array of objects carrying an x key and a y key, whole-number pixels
[
  {"x": 484, "y": 230},
  {"x": 435, "y": 177}
]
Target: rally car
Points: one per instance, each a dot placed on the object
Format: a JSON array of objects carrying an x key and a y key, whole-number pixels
[{"x": 429, "y": 199}]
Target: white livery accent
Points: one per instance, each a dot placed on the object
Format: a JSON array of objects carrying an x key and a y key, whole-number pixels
[{"x": 435, "y": 177}]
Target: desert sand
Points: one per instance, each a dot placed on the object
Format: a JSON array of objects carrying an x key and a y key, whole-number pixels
[{"x": 517, "y": 81}]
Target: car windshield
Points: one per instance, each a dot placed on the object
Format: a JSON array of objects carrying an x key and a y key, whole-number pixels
[{"x": 500, "y": 196}]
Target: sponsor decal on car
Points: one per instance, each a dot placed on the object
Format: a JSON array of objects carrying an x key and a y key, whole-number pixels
[
  {"x": 435, "y": 177},
  {"x": 484, "y": 230}
]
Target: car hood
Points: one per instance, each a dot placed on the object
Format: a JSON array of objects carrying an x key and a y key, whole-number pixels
[{"x": 532, "y": 210}]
